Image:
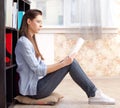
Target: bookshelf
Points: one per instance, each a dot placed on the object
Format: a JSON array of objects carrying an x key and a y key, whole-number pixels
[{"x": 8, "y": 39}]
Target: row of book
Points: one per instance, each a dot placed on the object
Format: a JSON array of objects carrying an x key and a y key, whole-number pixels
[{"x": 13, "y": 15}]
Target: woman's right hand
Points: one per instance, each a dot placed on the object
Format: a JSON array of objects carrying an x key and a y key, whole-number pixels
[{"x": 67, "y": 60}]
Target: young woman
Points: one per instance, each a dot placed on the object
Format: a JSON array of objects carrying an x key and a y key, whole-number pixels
[{"x": 39, "y": 80}]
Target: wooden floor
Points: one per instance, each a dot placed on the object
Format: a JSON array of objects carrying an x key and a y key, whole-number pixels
[{"x": 74, "y": 97}]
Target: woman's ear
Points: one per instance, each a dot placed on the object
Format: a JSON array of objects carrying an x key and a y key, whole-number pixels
[{"x": 28, "y": 21}]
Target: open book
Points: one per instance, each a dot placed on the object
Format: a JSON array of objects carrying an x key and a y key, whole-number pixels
[{"x": 77, "y": 46}]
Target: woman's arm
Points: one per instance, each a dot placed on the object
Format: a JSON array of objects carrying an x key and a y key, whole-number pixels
[{"x": 67, "y": 61}]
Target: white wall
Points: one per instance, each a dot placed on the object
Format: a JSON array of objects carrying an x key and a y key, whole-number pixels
[
  {"x": 115, "y": 11},
  {"x": 33, "y": 4},
  {"x": 46, "y": 46}
]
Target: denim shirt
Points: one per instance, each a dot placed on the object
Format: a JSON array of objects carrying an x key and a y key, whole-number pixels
[{"x": 30, "y": 68}]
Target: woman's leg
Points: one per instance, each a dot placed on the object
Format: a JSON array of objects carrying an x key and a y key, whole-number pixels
[
  {"x": 47, "y": 84},
  {"x": 81, "y": 79},
  {"x": 95, "y": 96}
]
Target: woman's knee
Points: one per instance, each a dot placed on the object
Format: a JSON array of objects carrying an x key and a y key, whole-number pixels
[{"x": 74, "y": 62}]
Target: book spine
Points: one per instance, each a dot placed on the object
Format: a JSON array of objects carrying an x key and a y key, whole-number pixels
[
  {"x": 20, "y": 16},
  {"x": 14, "y": 15},
  {"x": 8, "y": 49},
  {"x": 9, "y": 6}
]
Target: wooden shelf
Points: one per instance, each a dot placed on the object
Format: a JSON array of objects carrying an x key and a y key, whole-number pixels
[
  {"x": 10, "y": 28},
  {"x": 12, "y": 66},
  {"x": 26, "y": 1}
]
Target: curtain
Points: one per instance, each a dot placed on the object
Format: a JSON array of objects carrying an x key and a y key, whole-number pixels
[{"x": 92, "y": 15}]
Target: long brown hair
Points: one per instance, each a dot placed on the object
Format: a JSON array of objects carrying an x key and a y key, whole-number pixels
[{"x": 30, "y": 14}]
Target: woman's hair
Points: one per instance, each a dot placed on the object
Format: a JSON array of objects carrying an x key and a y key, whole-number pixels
[{"x": 30, "y": 14}]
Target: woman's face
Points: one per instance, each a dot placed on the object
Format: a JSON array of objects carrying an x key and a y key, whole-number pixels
[{"x": 35, "y": 25}]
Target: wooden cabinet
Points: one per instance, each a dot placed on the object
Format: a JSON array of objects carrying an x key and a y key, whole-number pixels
[{"x": 8, "y": 39}]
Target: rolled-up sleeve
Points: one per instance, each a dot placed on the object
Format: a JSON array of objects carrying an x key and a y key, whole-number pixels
[
  {"x": 43, "y": 69},
  {"x": 27, "y": 52}
]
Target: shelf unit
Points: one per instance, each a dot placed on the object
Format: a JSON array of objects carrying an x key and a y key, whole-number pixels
[
  {"x": 8, "y": 39},
  {"x": 24, "y": 5}
]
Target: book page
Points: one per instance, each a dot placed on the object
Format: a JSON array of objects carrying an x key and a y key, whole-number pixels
[{"x": 77, "y": 46}]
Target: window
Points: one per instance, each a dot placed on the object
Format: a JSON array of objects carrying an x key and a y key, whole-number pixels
[
  {"x": 53, "y": 11},
  {"x": 76, "y": 12}
]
